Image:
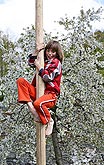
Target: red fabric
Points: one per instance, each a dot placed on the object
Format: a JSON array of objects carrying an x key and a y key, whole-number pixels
[
  {"x": 51, "y": 75},
  {"x": 43, "y": 104},
  {"x": 27, "y": 93},
  {"x": 53, "y": 70}
]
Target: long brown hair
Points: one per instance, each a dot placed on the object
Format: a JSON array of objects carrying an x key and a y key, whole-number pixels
[{"x": 56, "y": 47}]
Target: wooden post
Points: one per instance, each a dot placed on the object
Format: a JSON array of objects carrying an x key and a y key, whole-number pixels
[{"x": 40, "y": 129}]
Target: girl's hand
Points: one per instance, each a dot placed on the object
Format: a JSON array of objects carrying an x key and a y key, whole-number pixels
[
  {"x": 37, "y": 64},
  {"x": 38, "y": 48}
]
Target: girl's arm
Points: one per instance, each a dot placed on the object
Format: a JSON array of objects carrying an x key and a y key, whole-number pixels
[
  {"x": 37, "y": 64},
  {"x": 38, "y": 49},
  {"x": 51, "y": 71}
]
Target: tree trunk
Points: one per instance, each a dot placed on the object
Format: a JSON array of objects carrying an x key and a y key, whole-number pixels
[{"x": 58, "y": 154}]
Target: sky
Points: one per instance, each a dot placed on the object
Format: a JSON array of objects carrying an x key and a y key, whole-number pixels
[{"x": 18, "y": 14}]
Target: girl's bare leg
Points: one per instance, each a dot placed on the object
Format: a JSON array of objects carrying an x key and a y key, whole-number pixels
[{"x": 33, "y": 111}]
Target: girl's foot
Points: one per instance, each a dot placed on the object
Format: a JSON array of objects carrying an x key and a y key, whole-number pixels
[
  {"x": 36, "y": 119},
  {"x": 49, "y": 127},
  {"x": 33, "y": 111}
]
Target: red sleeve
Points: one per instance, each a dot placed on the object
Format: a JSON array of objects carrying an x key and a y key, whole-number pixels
[{"x": 51, "y": 70}]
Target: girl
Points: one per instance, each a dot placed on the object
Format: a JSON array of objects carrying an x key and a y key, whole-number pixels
[{"x": 51, "y": 75}]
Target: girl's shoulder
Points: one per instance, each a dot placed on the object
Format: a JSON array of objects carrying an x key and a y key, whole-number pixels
[
  {"x": 55, "y": 60},
  {"x": 55, "y": 63}
]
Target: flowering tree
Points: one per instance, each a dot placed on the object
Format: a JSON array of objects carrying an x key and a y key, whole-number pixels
[
  {"x": 81, "y": 103},
  {"x": 78, "y": 114}
]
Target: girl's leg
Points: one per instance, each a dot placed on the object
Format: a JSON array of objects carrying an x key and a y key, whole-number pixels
[
  {"x": 42, "y": 106},
  {"x": 33, "y": 111},
  {"x": 26, "y": 91},
  {"x": 27, "y": 94}
]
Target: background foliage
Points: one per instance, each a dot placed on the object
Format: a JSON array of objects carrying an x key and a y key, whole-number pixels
[{"x": 79, "y": 113}]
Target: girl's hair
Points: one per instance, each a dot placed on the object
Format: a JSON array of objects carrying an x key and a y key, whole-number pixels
[{"x": 56, "y": 47}]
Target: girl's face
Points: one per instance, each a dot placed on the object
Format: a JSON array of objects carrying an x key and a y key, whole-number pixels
[{"x": 50, "y": 54}]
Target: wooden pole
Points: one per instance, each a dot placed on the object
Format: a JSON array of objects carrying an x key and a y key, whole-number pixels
[{"x": 40, "y": 129}]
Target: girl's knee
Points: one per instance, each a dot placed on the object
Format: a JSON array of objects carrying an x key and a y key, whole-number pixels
[
  {"x": 36, "y": 104},
  {"x": 20, "y": 80}
]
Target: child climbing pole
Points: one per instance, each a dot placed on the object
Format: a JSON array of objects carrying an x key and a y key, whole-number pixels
[{"x": 51, "y": 75}]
